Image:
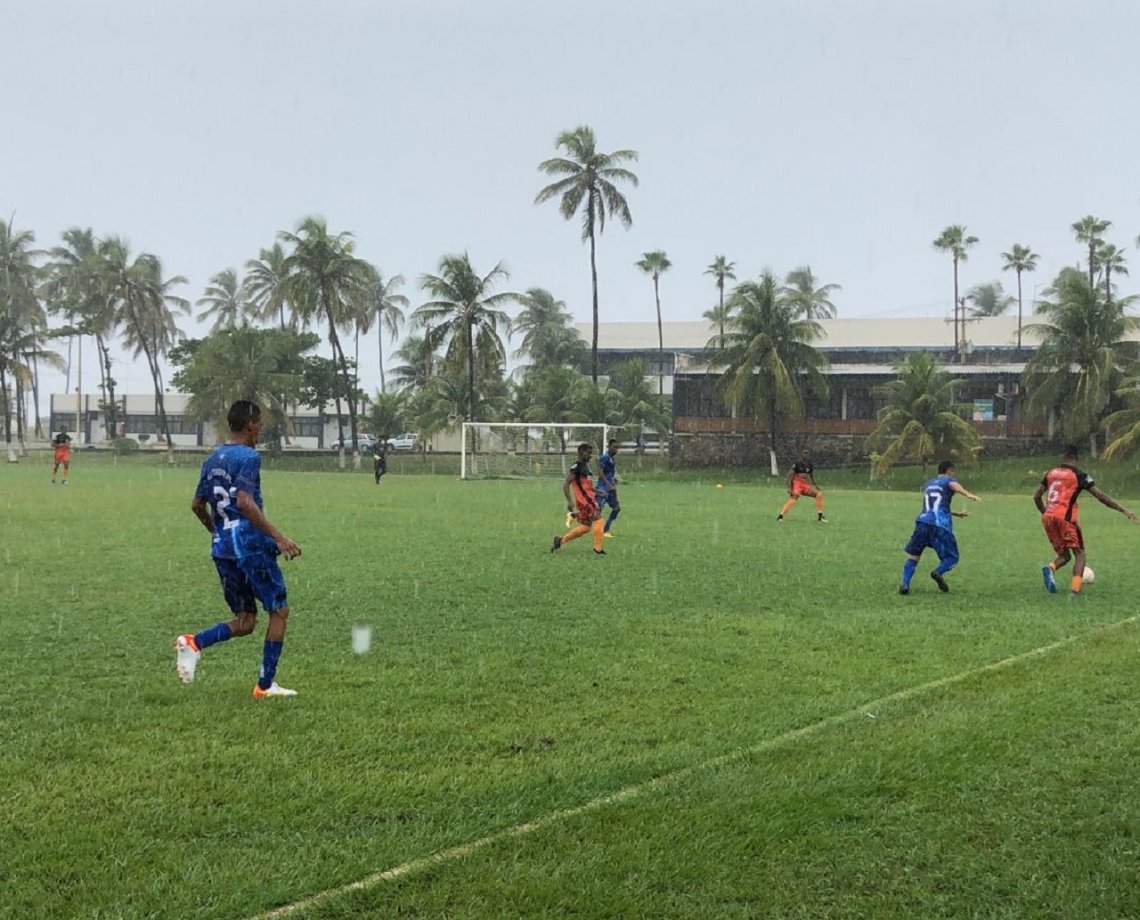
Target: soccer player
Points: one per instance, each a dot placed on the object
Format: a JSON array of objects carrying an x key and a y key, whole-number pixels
[
  {"x": 605, "y": 489},
  {"x": 1056, "y": 498},
  {"x": 801, "y": 481},
  {"x": 578, "y": 487},
  {"x": 245, "y": 548},
  {"x": 380, "y": 459},
  {"x": 934, "y": 527},
  {"x": 62, "y": 444}
]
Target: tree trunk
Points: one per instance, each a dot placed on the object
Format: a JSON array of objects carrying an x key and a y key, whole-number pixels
[
  {"x": 338, "y": 353},
  {"x": 957, "y": 352},
  {"x": 470, "y": 372},
  {"x": 1092, "y": 264},
  {"x": 38, "y": 429},
  {"x": 380, "y": 353},
  {"x": 772, "y": 439},
  {"x": 660, "y": 342},
  {"x": 112, "y": 406},
  {"x": 594, "y": 283},
  {"x": 1018, "y": 318},
  {"x": 1092, "y": 445}
]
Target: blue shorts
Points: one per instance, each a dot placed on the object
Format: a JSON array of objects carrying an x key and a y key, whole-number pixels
[
  {"x": 257, "y": 576},
  {"x": 606, "y": 498},
  {"x": 929, "y": 536}
]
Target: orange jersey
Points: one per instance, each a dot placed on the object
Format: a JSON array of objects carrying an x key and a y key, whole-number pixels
[
  {"x": 582, "y": 485},
  {"x": 1063, "y": 485}
]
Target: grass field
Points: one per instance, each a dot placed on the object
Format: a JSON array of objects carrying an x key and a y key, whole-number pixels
[{"x": 720, "y": 719}]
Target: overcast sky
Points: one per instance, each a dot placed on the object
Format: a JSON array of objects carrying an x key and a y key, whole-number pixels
[{"x": 844, "y": 135}]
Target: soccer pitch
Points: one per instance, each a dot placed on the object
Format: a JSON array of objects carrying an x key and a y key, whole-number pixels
[{"x": 722, "y": 718}]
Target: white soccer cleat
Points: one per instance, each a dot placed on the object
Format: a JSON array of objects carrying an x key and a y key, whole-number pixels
[
  {"x": 274, "y": 690},
  {"x": 188, "y": 656}
]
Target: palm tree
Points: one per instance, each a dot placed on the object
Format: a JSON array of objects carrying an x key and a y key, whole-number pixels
[
  {"x": 386, "y": 308},
  {"x": 325, "y": 279},
  {"x": 1019, "y": 259},
  {"x": 921, "y": 419},
  {"x": 1111, "y": 259},
  {"x": 466, "y": 315},
  {"x": 721, "y": 270},
  {"x": 1084, "y": 344},
  {"x": 1090, "y": 231},
  {"x": 23, "y": 324},
  {"x": 145, "y": 309},
  {"x": 637, "y": 409},
  {"x": 266, "y": 284},
  {"x": 80, "y": 286},
  {"x": 419, "y": 362},
  {"x": 549, "y": 338},
  {"x": 768, "y": 357},
  {"x": 654, "y": 264},
  {"x": 1126, "y": 441},
  {"x": 225, "y": 300},
  {"x": 800, "y": 288},
  {"x": 955, "y": 241},
  {"x": 587, "y": 182},
  {"x": 988, "y": 299}
]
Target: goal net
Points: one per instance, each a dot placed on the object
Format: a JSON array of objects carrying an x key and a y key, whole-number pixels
[{"x": 521, "y": 450}]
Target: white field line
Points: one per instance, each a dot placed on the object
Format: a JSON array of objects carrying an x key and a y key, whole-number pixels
[{"x": 629, "y": 792}]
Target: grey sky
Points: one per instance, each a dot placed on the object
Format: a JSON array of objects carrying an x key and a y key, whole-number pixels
[{"x": 844, "y": 135}]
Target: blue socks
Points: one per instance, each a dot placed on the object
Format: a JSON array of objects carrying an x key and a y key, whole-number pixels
[
  {"x": 269, "y": 657},
  {"x": 220, "y": 632},
  {"x": 611, "y": 518},
  {"x": 908, "y": 571}
]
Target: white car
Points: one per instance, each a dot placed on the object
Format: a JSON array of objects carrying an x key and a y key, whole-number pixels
[
  {"x": 364, "y": 441},
  {"x": 405, "y": 441}
]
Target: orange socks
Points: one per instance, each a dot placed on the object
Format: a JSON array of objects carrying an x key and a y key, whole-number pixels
[
  {"x": 599, "y": 529},
  {"x": 575, "y": 533},
  {"x": 819, "y": 502},
  {"x": 1075, "y": 584}
]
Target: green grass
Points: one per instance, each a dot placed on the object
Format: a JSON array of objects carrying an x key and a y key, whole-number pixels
[{"x": 506, "y": 685}]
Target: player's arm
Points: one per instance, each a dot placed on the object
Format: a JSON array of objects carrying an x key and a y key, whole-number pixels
[
  {"x": 248, "y": 507},
  {"x": 202, "y": 512},
  {"x": 571, "y": 505},
  {"x": 1109, "y": 502},
  {"x": 964, "y": 492},
  {"x": 1040, "y": 491}
]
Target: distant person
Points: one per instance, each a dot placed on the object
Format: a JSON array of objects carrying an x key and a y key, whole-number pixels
[
  {"x": 801, "y": 481},
  {"x": 62, "y": 444},
  {"x": 934, "y": 527},
  {"x": 245, "y": 550},
  {"x": 1056, "y": 498},
  {"x": 380, "y": 459},
  {"x": 578, "y": 488},
  {"x": 605, "y": 489}
]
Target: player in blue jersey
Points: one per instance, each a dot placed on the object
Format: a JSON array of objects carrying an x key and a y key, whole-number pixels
[
  {"x": 605, "y": 491},
  {"x": 245, "y": 548},
  {"x": 934, "y": 527}
]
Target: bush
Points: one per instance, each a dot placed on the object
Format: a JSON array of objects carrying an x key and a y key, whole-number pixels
[{"x": 125, "y": 446}]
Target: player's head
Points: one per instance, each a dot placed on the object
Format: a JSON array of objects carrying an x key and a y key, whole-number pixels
[
  {"x": 612, "y": 446},
  {"x": 584, "y": 451},
  {"x": 242, "y": 414},
  {"x": 1072, "y": 452},
  {"x": 63, "y": 429},
  {"x": 946, "y": 467},
  {"x": 805, "y": 454}
]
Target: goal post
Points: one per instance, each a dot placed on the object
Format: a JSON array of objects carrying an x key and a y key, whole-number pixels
[{"x": 525, "y": 450}]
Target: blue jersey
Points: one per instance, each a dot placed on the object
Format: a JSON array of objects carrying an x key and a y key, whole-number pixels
[
  {"x": 607, "y": 473},
  {"x": 936, "y": 496},
  {"x": 230, "y": 469}
]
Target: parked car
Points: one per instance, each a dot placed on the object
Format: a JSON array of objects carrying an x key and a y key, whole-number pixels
[
  {"x": 405, "y": 441},
  {"x": 364, "y": 441}
]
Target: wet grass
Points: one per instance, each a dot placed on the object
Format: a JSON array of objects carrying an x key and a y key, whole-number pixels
[{"x": 506, "y": 685}]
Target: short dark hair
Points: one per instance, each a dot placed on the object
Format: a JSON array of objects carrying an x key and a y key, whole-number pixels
[
  {"x": 1072, "y": 452},
  {"x": 945, "y": 466},
  {"x": 585, "y": 445},
  {"x": 242, "y": 413},
  {"x": 612, "y": 442}
]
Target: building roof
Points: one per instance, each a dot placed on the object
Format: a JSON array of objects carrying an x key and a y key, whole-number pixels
[{"x": 865, "y": 334}]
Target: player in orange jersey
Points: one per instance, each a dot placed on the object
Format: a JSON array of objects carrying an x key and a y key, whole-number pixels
[
  {"x": 61, "y": 444},
  {"x": 801, "y": 481},
  {"x": 1056, "y": 499},
  {"x": 581, "y": 502}
]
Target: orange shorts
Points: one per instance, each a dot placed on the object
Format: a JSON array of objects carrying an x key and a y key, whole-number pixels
[
  {"x": 587, "y": 513},
  {"x": 63, "y": 455},
  {"x": 801, "y": 486},
  {"x": 1063, "y": 534}
]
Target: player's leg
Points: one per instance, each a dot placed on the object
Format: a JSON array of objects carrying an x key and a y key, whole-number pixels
[
  {"x": 787, "y": 507},
  {"x": 818, "y": 496},
  {"x": 946, "y": 546},
  {"x": 239, "y": 598},
  {"x": 1054, "y": 531},
  {"x": 66, "y": 469},
  {"x": 1078, "y": 559},
  {"x": 915, "y": 545},
  {"x": 264, "y": 575},
  {"x": 598, "y": 527},
  {"x": 615, "y": 510}
]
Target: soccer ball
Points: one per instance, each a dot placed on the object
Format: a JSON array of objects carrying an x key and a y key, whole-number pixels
[{"x": 1089, "y": 577}]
